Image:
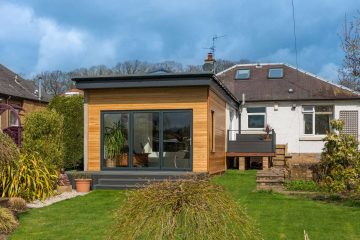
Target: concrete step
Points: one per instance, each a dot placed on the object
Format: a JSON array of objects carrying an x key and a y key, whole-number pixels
[
  {"x": 115, "y": 187},
  {"x": 129, "y": 181}
]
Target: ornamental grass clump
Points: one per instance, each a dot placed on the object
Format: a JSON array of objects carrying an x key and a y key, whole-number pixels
[
  {"x": 8, "y": 222},
  {"x": 17, "y": 205},
  {"x": 31, "y": 180},
  {"x": 183, "y": 209}
]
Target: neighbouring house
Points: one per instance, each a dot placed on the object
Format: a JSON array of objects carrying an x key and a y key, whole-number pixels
[
  {"x": 17, "y": 98},
  {"x": 73, "y": 92},
  {"x": 296, "y": 104}
]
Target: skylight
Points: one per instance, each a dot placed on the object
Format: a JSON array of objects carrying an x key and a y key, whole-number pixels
[
  {"x": 276, "y": 73},
  {"x": 242, "y": 74}
]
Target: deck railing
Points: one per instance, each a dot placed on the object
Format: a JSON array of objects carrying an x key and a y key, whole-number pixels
[{"x": 251, "y": 141}]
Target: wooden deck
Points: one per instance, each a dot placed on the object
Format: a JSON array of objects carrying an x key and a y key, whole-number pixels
[{"x": 250, "y": 154}]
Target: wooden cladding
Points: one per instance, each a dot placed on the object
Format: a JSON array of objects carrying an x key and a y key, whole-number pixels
[
  {"x": 217, "y": 136},
  {"x": 201, "y": 100},
  {"x": 182, "y": 98}
]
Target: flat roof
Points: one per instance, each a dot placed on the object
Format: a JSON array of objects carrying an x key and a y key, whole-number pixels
[{"x": 156, "y": 80}]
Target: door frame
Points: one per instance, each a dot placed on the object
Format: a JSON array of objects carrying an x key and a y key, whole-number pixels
[{"x": 131, "y": 143}]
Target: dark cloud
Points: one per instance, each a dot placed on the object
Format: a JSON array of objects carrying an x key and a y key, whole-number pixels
[{"x": 68, "y": 34}]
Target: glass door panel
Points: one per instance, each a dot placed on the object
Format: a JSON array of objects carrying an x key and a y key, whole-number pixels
[
  {"x": 146, "y": 140},
  {"x": 115, "y": 140},
  {"x": 177, "y": 140}
]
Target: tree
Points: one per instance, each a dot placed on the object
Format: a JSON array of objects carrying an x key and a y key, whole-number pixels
[
  {"x": 43, "y": 135},
  {"x": 54, "y": 82},
  {"x": 349, "y": 73},
  {"x": 72, "y": 109}
]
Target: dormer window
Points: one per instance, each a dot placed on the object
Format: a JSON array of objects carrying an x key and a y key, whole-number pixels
[
  {"x": 242, "y": 74},
  {"x": 276, "y": 73}
]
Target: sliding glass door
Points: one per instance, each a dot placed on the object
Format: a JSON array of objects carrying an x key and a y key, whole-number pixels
[
  {"x": 146, "y": 140},
  {"x": 159, "y": 140},
  {"x": 176, "y": 140}
]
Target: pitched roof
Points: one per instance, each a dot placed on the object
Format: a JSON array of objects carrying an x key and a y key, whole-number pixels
[
  {"x": 12, "y": 84},
  {"x": 304, "y": 85}
]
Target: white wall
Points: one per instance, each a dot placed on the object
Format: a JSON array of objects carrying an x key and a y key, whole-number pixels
[
  {"x": 288, "y": 123},
  {"x": 232, "y": 121}
]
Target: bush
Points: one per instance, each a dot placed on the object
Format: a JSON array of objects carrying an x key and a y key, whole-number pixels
[
  {"x": 185, "y": 209},
  {"x": 9, "y": 153},
  {"x": 339, "y": 168},
  {"x": 8, "y": 222},
  {"x": 17, "y": 205},
  {"x": 72, "y": 109},
  {"x": 301, "y": 185},
  {"x": 9, "y": 156},
  {"x": 43, "y": 134},
  {"x": 31, "y": 180}
]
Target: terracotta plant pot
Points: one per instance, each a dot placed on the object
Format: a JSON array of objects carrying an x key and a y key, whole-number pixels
[
  {"x": 82, "y": 185},
  {"x": 110, "y": 163}
]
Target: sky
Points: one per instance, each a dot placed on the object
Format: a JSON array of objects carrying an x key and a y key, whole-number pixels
[{"x": 40, "y": 35}]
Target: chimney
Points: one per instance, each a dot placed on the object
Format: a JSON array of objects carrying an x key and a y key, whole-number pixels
[{"x": 209, "y": 63}]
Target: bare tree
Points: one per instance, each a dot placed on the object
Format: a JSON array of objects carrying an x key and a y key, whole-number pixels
[
  {"x": 131, "y": 67},
  {"x": 54, "y": 82},
  {"x": 349, "y": 73}
]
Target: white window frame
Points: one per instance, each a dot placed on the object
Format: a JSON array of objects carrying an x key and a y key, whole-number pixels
[
  {"x": 313, "y": 113},
  {"x": 274, "y": 69},
  {"x": 17, "y": 120},
  {"x": 242, "y": 78},
  {"x": 252, "y": 114}
]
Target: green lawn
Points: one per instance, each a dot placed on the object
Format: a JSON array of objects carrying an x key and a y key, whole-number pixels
[{"x": 278, "y": 216}]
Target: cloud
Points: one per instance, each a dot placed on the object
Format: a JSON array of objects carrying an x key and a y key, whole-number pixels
[
  {"x": 329, "y": 71},
  {"x": 53, "y": 46}
]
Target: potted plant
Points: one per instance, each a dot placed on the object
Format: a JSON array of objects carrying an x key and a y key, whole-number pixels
[
  {"x": 115, "y": 142},
  {"x": 82, "y": 182},
  {"x": 268, "y": 130}
]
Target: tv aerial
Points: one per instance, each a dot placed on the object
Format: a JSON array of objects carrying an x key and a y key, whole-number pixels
[{"x": 213, "y": 46}]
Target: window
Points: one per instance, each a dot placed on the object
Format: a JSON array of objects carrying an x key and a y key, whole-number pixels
[
  {"x": 212, "y": 131},
  {"x": 317, "y": 119},
  {"x": 256, "y": 117},
  {"x": 276, "y": 73},
  {"x": 242, "y": 74},
  {"x": 14, "y": 122}
]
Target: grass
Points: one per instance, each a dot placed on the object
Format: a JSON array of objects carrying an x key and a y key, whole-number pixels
[{"x": 279, "y": 216}]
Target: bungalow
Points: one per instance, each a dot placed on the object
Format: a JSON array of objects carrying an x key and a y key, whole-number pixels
[
  {"x": 17, "y": 97},
  {"x": 296, "y": 104}
]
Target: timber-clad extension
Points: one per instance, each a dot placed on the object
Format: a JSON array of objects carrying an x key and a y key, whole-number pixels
[{"x": 167, "y": 142}]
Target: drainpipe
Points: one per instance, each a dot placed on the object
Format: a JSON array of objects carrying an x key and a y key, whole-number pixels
[{"x": 7, "y": 113}]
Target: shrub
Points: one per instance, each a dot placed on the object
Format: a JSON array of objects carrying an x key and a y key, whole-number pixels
[
  {"x": 185, "y": 209},
  {"x": 9, "y": 156},
  {"x": 72, "y": 109},
  {"x": 9, "y": 153},
  {"x": 17, "y": 205},
  {"x": 43, "y": 134},
  {"x": 339, "y": 168},
  {"x": 8, "y": 222},
  {"x": 301, "y": 185},
  {"x": 31, "y": 180}
]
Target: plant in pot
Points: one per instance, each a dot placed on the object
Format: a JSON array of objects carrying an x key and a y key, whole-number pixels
[
  {"x": 82, "y": 182},
  {"x": 268, "y": 130},
  {"x": 115, "y": 142}
]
